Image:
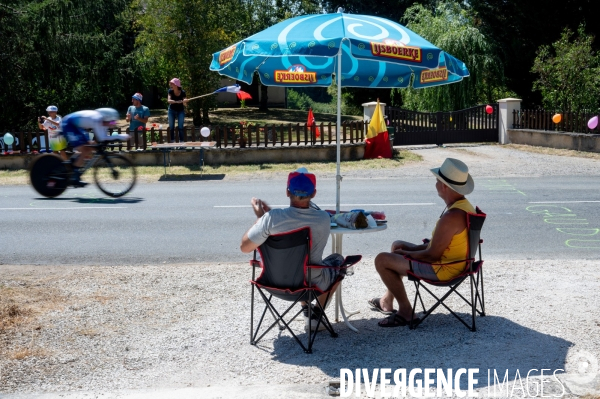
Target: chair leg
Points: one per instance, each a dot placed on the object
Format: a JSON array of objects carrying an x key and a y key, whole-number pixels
[
  {"x": 251, "y": 313},
  {"x": 473, "y": 304},
  {"x": 325, "y": 319},
  {"x": 482, "y": 297}
]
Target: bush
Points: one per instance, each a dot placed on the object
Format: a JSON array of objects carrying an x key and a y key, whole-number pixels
[{"x": 302, "y": 101}]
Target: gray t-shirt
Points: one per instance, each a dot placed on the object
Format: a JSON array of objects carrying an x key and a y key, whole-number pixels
[{"x": 288, "y": 219}]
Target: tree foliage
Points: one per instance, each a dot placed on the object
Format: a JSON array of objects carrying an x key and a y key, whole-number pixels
[
  {"x": 453, "y": 30},
  {"x": 568, "y": 73},
  {"x": 177, "y": 39},
  {"x": 520, "y": 27},
  {"x": 71, "y": 54}
]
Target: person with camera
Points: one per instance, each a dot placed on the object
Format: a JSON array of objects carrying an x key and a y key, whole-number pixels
[{"x": 50, "y": 124}]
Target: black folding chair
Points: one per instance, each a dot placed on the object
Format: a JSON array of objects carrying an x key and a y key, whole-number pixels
[
  {"x": 473, "y": 271},
  {"x": 286, "y": 275}
]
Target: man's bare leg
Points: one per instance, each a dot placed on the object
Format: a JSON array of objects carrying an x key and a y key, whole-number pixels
[
  {"x": 387, "y": 300},
  {"x": 391, "y": 269}
]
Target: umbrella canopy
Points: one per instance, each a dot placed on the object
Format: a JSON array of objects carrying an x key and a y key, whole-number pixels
[{"x": 309, "y": 50}]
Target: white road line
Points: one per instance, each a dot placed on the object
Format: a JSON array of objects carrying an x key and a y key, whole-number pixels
[
  {"x": 563, "y": 202},
  {"x": 323, "y": 205},
  {"x": 67, "y": 209}
]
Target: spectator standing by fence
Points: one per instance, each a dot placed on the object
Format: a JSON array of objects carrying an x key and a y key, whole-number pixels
[
  {"x": 177, "y": 100},
  {"x": 137, "y": 114},
  {"x": 49, "y": 123}
]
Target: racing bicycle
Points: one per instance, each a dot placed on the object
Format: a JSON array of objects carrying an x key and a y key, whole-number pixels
[{"x": 114, "y": 174}]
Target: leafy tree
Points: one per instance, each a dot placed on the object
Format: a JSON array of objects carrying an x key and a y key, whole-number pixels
[
  {"x": 568, "y": 73},
  {"x": 71, "y": 54},
  {"x": 520, "y": 27},
  {"x": 390, "y": 9},
  {"x": 454, "y": 30},
  {"x": 178, "y": 38}
]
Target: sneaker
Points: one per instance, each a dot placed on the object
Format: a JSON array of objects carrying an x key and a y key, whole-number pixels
[
  {"x": 314, "y": 319},
  {"x": 76, "y": 178},
  {"x": 78, "y": 183}
]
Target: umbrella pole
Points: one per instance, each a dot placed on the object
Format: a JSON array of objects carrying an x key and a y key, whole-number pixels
[{"x": 338, "y": 177}]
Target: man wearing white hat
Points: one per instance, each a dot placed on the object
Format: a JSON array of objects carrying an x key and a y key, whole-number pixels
[
  {"x": 449, "y": 243},
  {"x": 49, "y": 123}
]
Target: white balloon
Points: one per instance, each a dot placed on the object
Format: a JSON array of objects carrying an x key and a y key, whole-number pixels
[
  {"x": 8, "y": 139},
  {"x": 205, "y": 132}
]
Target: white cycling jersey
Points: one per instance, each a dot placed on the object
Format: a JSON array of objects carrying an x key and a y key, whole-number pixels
[{"x": 88, "y": 119}]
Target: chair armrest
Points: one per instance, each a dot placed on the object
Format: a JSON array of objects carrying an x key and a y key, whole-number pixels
[{"x": 348, "y": 261}]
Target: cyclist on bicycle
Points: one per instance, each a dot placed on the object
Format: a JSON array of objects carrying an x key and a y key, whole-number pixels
[{"x": 73, "y": 127}]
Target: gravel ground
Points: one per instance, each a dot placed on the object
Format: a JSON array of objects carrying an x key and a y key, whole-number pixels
[{"x": 182, "y": 330}]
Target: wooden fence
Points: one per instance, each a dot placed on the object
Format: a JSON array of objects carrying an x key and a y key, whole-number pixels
[
  {"x": 575, "y": 122},
  {"x": 226, "y": 136}
]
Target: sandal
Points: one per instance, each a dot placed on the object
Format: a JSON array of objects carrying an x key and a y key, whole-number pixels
[
  {"x": 395, "y": 320},
  {"x": 376, "y": 305}
]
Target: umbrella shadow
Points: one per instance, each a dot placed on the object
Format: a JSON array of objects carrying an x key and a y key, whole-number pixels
[
  {"x": 440, "y": 343},
  {"x": 192, "y": 177}
]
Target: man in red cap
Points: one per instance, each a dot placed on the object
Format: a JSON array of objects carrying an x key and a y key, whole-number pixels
[{"x": 301, "y": 188}]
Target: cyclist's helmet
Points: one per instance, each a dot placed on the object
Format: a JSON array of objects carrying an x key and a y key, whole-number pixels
[{"x": 109, "y": 114}]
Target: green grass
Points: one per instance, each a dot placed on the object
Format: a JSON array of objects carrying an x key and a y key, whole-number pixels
[{"x": 192, "y": 172}]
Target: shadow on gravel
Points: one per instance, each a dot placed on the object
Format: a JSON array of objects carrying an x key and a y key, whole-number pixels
[
  {"x": 191, "y": 177},
  {"x": 440, "y": 343}
]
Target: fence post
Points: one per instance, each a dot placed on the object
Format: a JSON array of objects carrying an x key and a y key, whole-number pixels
[{"x": 506, "y": 107}]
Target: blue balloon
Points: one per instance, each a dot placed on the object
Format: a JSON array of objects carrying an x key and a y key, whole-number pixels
[{"x": 8, "y": 139}]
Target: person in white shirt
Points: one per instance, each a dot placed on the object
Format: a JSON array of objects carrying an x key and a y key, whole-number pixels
[{"x": 50, "y": 123}]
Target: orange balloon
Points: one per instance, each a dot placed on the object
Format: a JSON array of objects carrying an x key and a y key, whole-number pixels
[{"x": 557, "y": 118}]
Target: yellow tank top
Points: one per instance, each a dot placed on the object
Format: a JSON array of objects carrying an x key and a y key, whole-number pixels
[{"x": 457, "y": 249}]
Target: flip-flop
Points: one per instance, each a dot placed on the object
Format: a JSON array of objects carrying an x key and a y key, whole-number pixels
[
  {"x": 395, "y": 320},
  {"x": 376, "y": 305}
]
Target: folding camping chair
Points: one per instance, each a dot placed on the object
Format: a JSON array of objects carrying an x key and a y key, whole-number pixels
[
  {"x": 473, "y": 271},
  {"x": 286, "y": 275}
]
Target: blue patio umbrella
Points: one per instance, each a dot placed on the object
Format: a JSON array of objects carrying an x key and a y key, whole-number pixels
[{"x": 309, "y": 50}]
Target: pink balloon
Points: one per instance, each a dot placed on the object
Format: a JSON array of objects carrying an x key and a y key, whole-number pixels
[
  {"x": 592, "y": 123},
  {"x": 489, "y": 109}
]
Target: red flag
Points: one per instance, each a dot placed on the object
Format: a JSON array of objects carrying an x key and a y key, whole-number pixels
[{"x": 311, "y": 123}]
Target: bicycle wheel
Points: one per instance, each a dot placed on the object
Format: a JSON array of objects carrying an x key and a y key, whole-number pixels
[
  {"x": 114, "y": 175},
  {"x": 49, "y": 175}
]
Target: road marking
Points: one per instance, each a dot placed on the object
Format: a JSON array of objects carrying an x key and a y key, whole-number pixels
[
  {"x": 75, "y": 207},
  {"x": 322, "y": 205},
  {"x": 563, "y": 202}
]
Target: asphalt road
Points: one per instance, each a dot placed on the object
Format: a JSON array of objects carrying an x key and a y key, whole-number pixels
[{"x": 203, "y": 221}]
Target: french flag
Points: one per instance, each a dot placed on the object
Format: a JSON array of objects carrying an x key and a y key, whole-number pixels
[{"x": 229, "y": 89}]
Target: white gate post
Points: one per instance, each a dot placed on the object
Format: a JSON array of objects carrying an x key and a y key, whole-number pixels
[{"x": 506, "y": 107}]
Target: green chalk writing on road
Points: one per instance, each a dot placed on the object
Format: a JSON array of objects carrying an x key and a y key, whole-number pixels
[
  {"x": 500, "y": 185},
  {"x": 554, "y": 214}
]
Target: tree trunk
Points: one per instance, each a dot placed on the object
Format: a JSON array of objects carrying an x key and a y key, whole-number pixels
[
  {"x": 263, "y": 98},
  {"x": 205, "y": 119}
]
